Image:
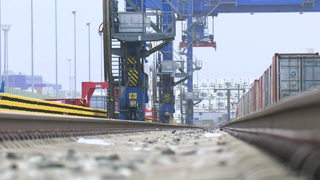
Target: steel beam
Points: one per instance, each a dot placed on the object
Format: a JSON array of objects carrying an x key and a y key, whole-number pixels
[{"x": 108, "y": 56}]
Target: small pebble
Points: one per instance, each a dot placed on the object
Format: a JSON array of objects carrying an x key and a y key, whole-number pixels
[
  {"x": 222, "y": 163},
  {"x": 11, "y": 155},
  {"x": 177, "y": 140},
  {"x": 14, "y": 166},
  {"x": 168, "y": 151},
  {"x": 145, "y": 145},
  {"x": 71, "y": 154},
  {"x": 191, "y": 152},
  {"x": 220, "y": 150},
  {"x": 221, "y": 143},
  {"x": 51, "y": 165},
  {"x": 113, "y": 157}
]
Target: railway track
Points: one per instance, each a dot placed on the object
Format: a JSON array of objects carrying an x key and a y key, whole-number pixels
[
  {"x": 33, "y": 146},
  {"x": 29, "y": 126},
  {"x": 289, "y": 129}
]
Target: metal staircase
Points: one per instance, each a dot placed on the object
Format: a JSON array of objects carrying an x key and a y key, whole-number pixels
[
  {"x": 116, "y": 73},
  {"x": 116, "y": 67}
]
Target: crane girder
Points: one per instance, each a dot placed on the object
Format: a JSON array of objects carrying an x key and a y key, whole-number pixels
[{"x": 214, "y": 7}]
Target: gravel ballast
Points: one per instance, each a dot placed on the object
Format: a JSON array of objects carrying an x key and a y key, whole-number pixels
[{"x": 176, "y": 154}]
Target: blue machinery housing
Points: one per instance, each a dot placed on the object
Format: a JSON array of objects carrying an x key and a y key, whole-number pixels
[
  {"x": 2, "y": 87},
  {"x": 134, "y": 45}
]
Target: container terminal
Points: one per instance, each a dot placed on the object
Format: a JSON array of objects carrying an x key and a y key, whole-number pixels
[{"x": 156, "y": 119}]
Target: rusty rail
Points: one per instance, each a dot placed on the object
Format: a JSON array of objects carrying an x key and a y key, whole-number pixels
[
  {"x": 27, "y": 126},
  {"x": 290, "y": 129}
]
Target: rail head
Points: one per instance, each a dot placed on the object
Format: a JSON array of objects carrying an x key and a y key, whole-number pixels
[
  {"x": 12, "y": 121},
  {"x": 299, "y": 112},
  {"x": 289, "y": 129}
]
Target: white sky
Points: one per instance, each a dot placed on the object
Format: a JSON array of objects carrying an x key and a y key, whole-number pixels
[{"x": 246, "y": 43}]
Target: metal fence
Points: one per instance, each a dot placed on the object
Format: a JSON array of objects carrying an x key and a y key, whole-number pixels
[{"x": 26, "y": 93}]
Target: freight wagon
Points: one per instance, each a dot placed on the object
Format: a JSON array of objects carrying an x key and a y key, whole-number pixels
[{"x": 288, "y": 75}]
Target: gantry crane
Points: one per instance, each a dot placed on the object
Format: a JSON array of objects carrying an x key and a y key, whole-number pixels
[
  {"x": 131, "y": 31},
  {"x": 131, "y": 27}
]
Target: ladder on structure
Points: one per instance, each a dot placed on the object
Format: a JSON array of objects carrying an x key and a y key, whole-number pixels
[{"x": 116, "y": 74}]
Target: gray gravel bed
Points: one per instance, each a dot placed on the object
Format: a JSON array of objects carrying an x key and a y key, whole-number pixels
[{"x": 177, "y": 154}]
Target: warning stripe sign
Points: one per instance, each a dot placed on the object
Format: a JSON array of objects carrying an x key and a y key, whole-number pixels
[
  {"x": 133, "y": 76},
  {"x": 131, "y": 60},
  {"x": 167, "y": 98}
]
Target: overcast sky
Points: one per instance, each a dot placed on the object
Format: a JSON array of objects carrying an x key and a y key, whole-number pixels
[{"x": 246, "y": 43}]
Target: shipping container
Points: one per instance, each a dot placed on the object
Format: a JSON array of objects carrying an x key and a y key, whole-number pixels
[
  {"x": 254, "y": 95},
  {"x": 259, "y": 94},
  {"x": 266, "y": 88},
  {"x": 288, "y": 75},
  {"x": 296, "y": 73}
]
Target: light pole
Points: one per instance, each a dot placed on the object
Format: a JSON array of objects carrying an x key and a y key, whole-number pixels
[
  {"x": 56, "y": 43},
  {"x": 89, "y": 53},
  {"x": 70, "y": 78},
  {"x": 5, "y": 29},
  {"x": 32, "y": 68},
  {"x": 0, "y": 45},
  {"x": 75, "y": 54},
  {"x": 101, "y": 57}
]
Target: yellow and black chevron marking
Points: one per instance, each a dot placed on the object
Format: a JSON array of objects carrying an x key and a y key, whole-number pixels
[
  {"x": 81, "y": 102},
  {"x": 22, "y": 104},
  {"x": 167, "y": 98},
  {"x": 131, "y": 60},
  {"x": 133, "y": 76}
]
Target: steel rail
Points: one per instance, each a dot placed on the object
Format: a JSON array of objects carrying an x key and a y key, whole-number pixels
[
  {"x": 28, "y": 126},
  {"x": 290, "y": 129}
]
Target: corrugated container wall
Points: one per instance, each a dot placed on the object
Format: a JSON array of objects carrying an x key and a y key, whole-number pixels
[
  {"x": 259, "y": 92},
  {"x": 296, "y": 73},
  {"x": 266, "y": 88},
  {"x": 274, "y": 80},
  {"x": 310, "y": 73}
]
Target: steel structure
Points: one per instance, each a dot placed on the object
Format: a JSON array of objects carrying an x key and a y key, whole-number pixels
[
  {"x": 131, "y": 27},
  {"x": 131, "y": 31}
]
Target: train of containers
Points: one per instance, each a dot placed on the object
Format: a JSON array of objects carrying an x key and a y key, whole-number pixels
[{"x": 288, "y": 75}]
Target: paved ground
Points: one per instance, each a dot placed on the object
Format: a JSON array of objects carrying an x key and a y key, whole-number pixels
[{"x": 186, "y": 154}]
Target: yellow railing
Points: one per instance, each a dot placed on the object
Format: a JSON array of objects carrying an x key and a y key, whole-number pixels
[{"x": 11, "y": 102}]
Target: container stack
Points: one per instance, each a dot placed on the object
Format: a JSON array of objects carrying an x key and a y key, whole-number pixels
[{"x": 288, "y": 75}]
